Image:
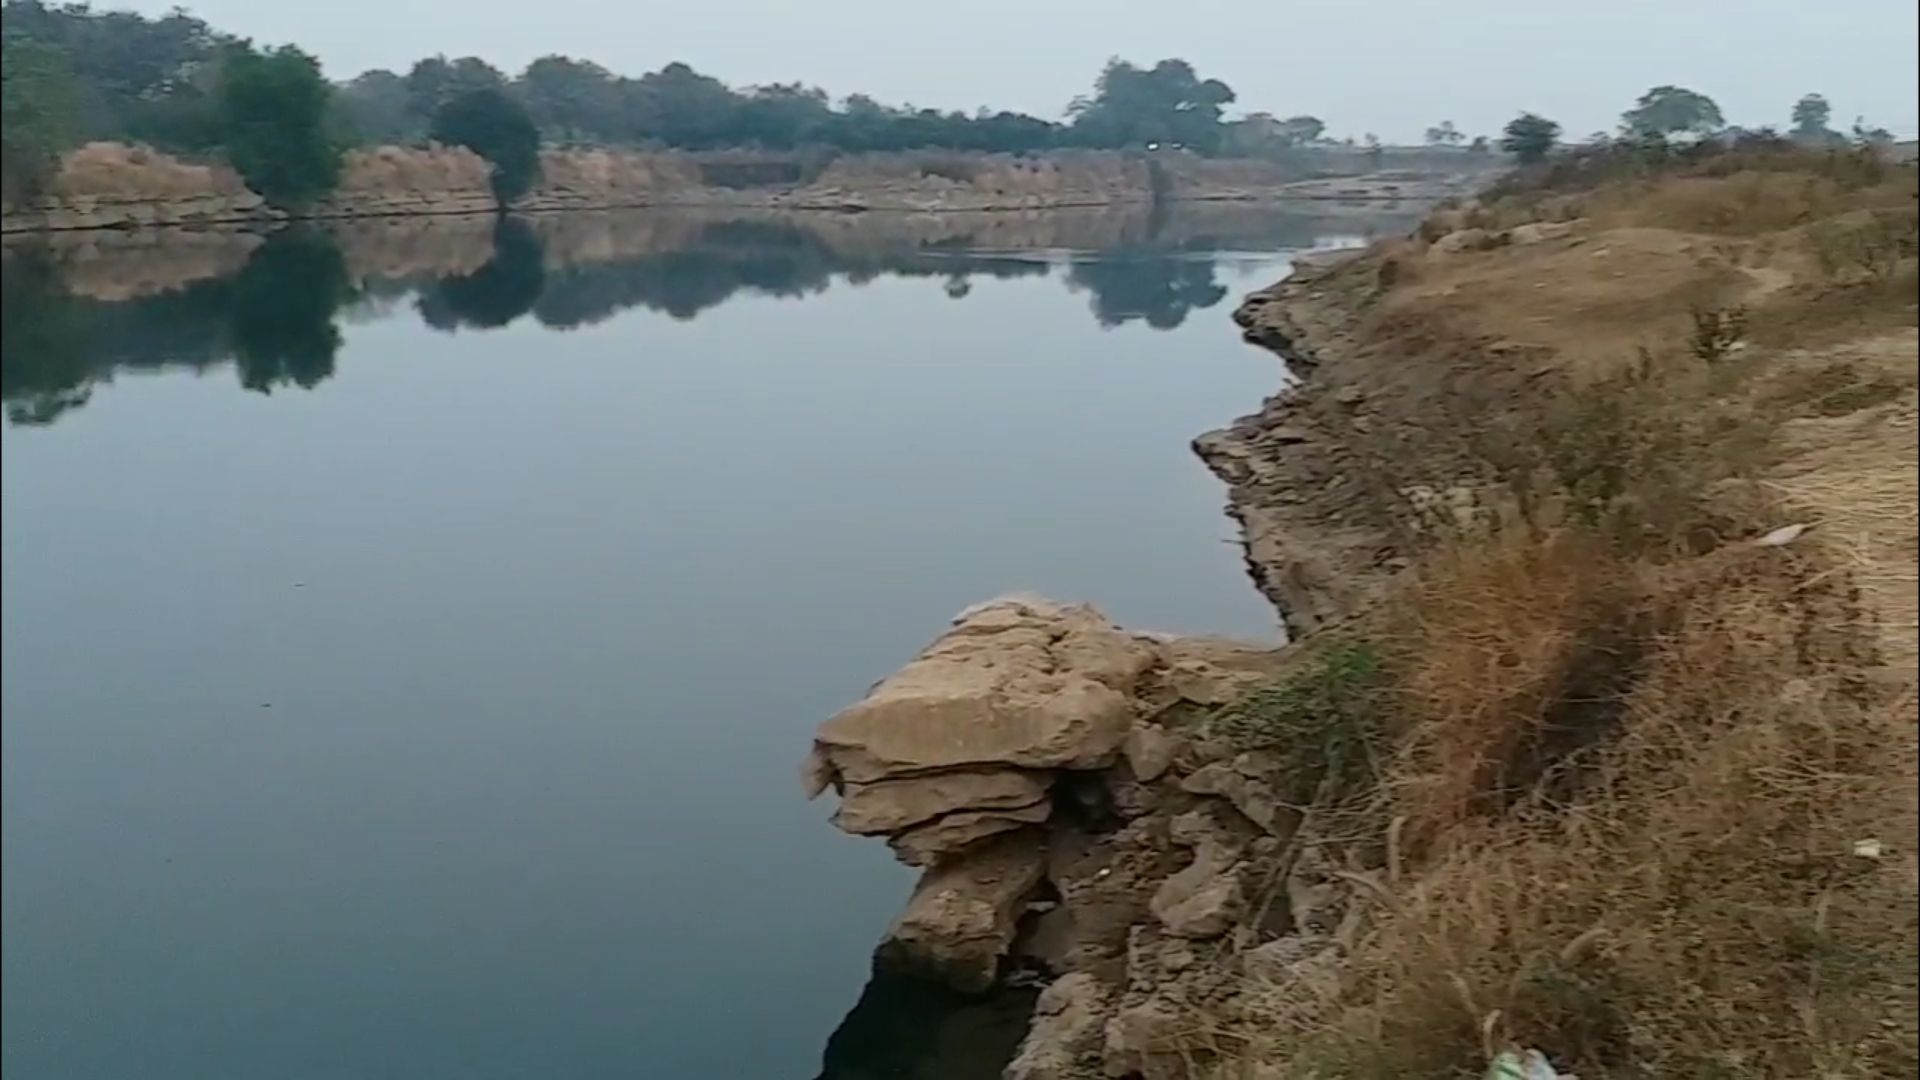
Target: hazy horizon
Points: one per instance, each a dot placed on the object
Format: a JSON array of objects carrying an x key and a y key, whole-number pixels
[{"x": 1391, "y": 67}]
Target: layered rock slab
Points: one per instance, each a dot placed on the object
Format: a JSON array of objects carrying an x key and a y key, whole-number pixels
[
  {"x": 1020, "y": 683},
  {"x": 1025, "y": 733}
]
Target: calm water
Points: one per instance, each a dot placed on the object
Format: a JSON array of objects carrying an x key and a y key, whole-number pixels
[{"x": 405, "y": 679}]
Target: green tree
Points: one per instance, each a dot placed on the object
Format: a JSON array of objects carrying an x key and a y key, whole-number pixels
[
  {"x": 275, "y": 120},
  {"x": 681, "y": 107},
  {"x": 495, "y": 126},
  {"x": 1672, "y": 110},
  {"x": 1811, "y": 118},
  {"x": 37, "y": 101},
  {"x": 1302, "y": 130},
  {"x": 1865, "y": 134},
  {"x": 433, "y": 82},
  {"x": 374, "y": 107},
  {"x": 571, "y": 98},
  {"x": 1445, "y": 134},
  {"x": 1529, "y": 137},
  {"x": 1167, "y": 103},
  {"x": 137, "y": 78}
]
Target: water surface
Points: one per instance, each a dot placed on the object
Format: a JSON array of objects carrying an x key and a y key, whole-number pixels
[{"x": 407, "y": 656}]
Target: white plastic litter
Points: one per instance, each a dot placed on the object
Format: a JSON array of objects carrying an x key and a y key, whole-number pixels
[
  {"x": 1781, "y": 537},
  {"x": 1528, "y": 1064}
]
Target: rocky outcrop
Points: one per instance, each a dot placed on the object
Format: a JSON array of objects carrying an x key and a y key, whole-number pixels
[
  {"x": 1076, "y": 819},
  {"x": 955, "y": 759},
  {"x": 1017, "y": 684},
  {"x": 1295, "y": 471},
  {"x": 963, "y": 914}
]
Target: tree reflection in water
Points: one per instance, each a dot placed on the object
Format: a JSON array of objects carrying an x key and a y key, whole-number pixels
[
  {"x": 1157, "y": 288},
  {"x": 276, "y": 319},
  {"x": 502, "y": 290},
  {"x": 280, "y": 315}
]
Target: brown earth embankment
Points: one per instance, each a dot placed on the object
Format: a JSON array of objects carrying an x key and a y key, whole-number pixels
[
  {"x": 111, "y": 186},
  {"x": 1592, "y": 508}
]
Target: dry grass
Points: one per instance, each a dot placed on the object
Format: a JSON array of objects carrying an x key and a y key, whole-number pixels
[
  {"x": 104, "y": 170},
  {"x": 1636, "y": 766},
  {"x": 398, "y": 170},
  {"x": 1628, "y": 803}
]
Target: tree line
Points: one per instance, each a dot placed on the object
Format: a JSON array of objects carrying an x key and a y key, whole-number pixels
[
  {"x": 1668, "y": 113},
  {"x": 74, "y": 73}
]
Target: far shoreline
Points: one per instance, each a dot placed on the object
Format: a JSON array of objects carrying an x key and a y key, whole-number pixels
[{"x": 106, "y": 186}]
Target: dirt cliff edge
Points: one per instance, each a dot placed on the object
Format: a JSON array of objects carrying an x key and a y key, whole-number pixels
[{"x": 1592, "y": 510}]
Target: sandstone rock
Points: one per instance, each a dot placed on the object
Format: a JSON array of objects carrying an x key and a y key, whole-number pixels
[
  {"x": 1201, "y": 901},
  {"x": 1149, "y": 750},
  {"x": 889, "y": 806},
  {"x": 1240, "y": 783},
  {"x": 1205, "y": 898},
  {"x": 962, "y": 916},
  {"x": 925, "y": 845},
  {"x": 1289, "y": 959},
  {"x": 1143, "y": 957},
  {"x": 1535, "y": 232},
  {"x": 1176, "y": 956},
  {"x": 1068, "y": 1031},
  {"x": 817, "y": 773},
  {"x": 1020, "y": 683},
  {"x": 1191, "y": 828},
  {"x": 1130, "y": 798},
  {"x": 1215, "y": 671},
  {"x": 1049, "y": 936},
  {"x": 1465, "y": 240},
  {"x": 1141, "y": 1032}
]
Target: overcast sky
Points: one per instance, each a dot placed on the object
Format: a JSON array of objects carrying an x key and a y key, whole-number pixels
[{"x": 1392, "y": 67}]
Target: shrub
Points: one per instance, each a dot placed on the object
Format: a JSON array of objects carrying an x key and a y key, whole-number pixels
[
  {"x": 492, "y": 124},
  {"x": 274, "y": 121}
]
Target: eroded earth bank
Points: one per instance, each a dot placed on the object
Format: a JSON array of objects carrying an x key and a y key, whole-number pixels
[
  {"x": 1592, "y": 515},
  {"x": 114, "y": 186}
]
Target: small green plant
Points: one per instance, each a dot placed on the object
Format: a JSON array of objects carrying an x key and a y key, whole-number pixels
[{"x": 1323, "y": 719}]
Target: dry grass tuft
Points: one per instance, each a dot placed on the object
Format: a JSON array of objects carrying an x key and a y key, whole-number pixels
[
  {"x": 1513, "y": 662},
  {"x": 1631, "y": 799}
]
